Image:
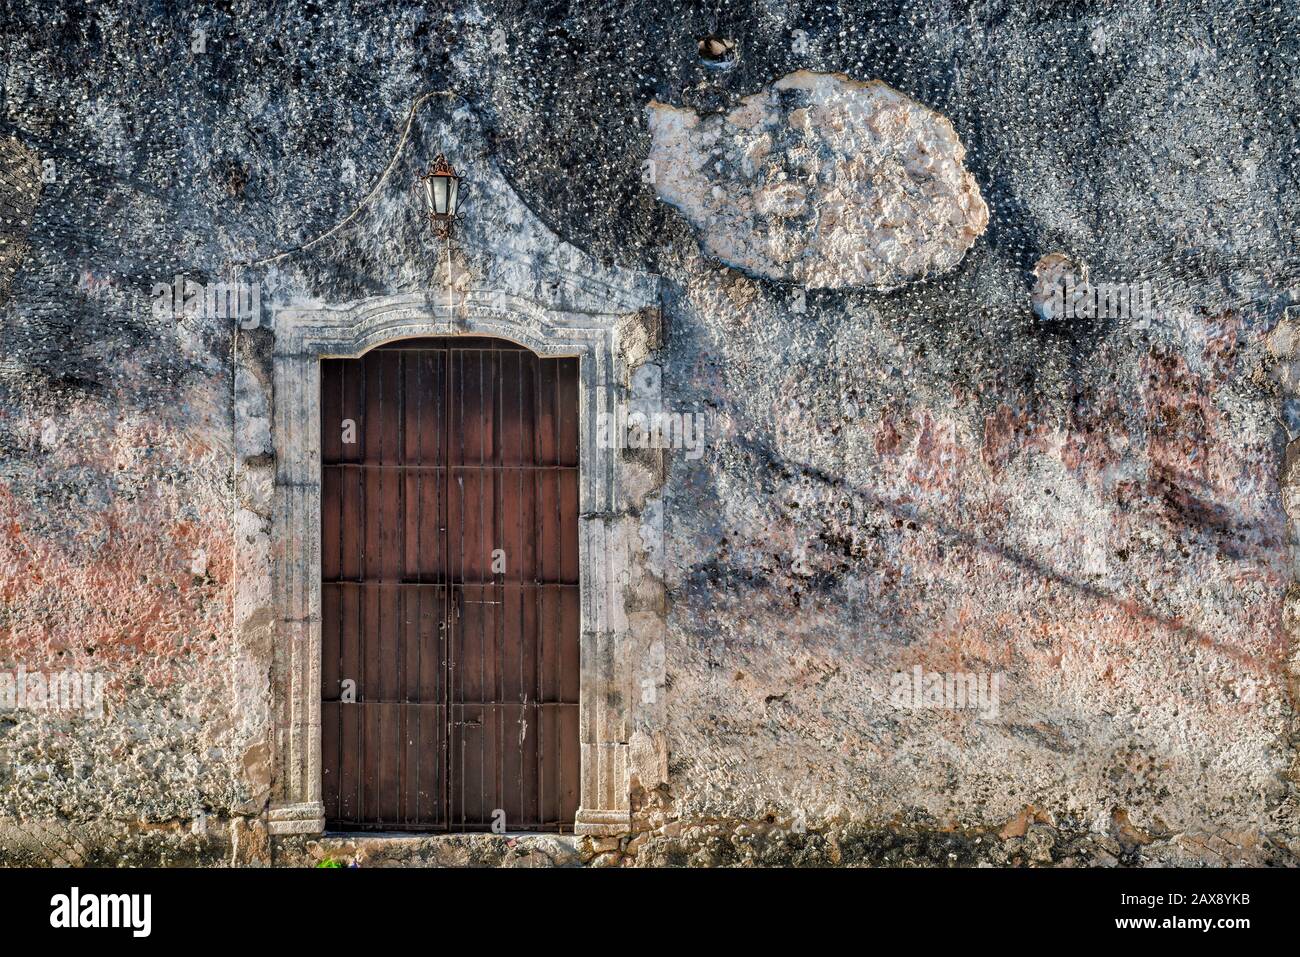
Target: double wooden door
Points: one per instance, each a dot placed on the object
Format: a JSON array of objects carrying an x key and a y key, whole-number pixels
[{"x": 449, "y": 593}]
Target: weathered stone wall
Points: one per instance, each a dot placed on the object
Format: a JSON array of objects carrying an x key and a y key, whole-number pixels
[{"x": 905, "y": 465}]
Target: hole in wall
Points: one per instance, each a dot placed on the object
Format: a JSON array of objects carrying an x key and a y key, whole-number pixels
[{"x": 717, "y": 53}]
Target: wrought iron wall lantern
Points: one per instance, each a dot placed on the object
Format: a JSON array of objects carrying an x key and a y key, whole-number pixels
[{"x": 441, "y": 195}]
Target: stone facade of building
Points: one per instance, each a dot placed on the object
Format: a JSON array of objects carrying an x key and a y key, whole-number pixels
[{"x": 957, "y": 576}]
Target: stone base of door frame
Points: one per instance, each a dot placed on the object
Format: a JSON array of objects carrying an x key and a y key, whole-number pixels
[
  {"x": 600, "y": 823},
  {"x": 309, "y": 818},
  {"x": 305, "y": 818}
]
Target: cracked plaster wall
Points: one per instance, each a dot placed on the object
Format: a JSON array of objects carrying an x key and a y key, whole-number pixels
[{"x": 934, "y": 476}]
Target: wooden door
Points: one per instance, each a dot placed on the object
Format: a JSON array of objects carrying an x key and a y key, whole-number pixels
[{"x": 449, "y": 593}]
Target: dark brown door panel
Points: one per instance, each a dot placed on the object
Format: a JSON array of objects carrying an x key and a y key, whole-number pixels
[{"x": 449, "y": 599}]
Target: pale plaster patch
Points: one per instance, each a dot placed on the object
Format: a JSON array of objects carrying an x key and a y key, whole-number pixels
[{"x": 821, "y": 180}]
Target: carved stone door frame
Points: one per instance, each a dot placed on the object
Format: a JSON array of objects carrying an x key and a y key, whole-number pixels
[{"x": 305, "y": 335}]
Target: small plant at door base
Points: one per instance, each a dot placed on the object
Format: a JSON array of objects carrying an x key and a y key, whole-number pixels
[{"x": 330, "y": 862}]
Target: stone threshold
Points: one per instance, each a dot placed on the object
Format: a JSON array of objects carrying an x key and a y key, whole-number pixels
[{"x": 415, "y": 849}]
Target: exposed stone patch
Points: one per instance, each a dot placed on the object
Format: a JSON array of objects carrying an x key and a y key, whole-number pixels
[
  {"x": 439, "y": 850},
  {"x": 49, "y": 842},
  {"x": 822, "y": 180},
  {"x": 1051, "y": 272},
  {"x": 20, "y": 191},
  {"x": 640, "y": 334}
]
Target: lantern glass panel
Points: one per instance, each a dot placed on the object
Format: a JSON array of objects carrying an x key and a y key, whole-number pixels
[
  {"x": 453, "y": 194},
  {"x": 439, "y": 195}
]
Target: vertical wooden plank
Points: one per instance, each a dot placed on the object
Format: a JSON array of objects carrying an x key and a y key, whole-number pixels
[
  {"x": 352, "y": 552},
  {"x": 351, "y": 547},
  {"x": 389, "y": 362},
  {"x": 331, "y": 625},
  {"x": 331, "y": 640},
  {"x": 331, "y": 520},
  {"x": 329, "y": 743},
  {"x": 433, "y": 784},
  {"x": 569, "y": 764},
  {"x": 418, "y": 437},
  {"x": 548, "y": 807},
  {"x": 497, "y": 511},
  {"x": 548, "y": 643},
  {"x": 368, "y": 697},
  {"x": 389, "y": 720},
  {"x": 351, "y": 620},
  {"x": 546, "y": 524},
  {"x": 566, "y": 531},
  {"x": 545, "y": 426},
  {"x": 568, "y": 667},
  {"x": 570, "y": 640},
  {"x": 526, "y": 541},
  {"x": 352, "y": 388},
  {"x": 385, "y": 684},
  {"x": 408, "y": 681},
  {"x": 372, "y": 500},
  {"x": 388, "y": 485},
  {"x": 372, "y": 402},
  {"x": 331, "y": 406},
  {"x": 433, "y": 642},
  {"x": 371, "y": 753},
  {"x": 443, "y": 407},
  {"x": 350, "y": 735}
]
